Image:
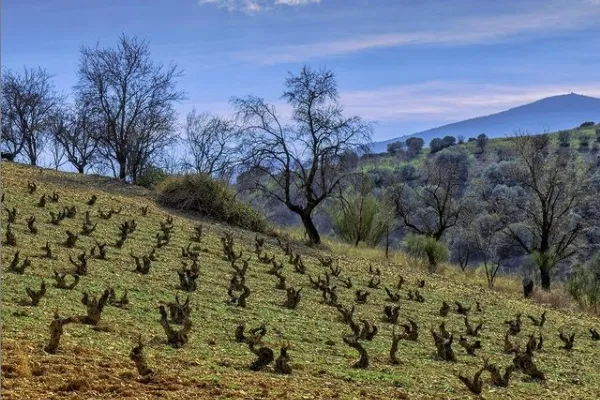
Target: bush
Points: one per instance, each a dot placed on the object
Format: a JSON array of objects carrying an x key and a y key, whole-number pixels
[
  {"x": 564, "y": 138},
  {"x": 426, "y": 247},
  {"x": 584, "y": 284},
  {"x": 151, "y": 178},
  {"x": 406, "y": 172},
  {"x": 360, "y": 218},
  {"x": 584, "y": 141},
  {"x": 200, "y": 193}
]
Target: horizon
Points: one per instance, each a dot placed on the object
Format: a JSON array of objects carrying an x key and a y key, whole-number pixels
[{"x": 409, "y": 66}]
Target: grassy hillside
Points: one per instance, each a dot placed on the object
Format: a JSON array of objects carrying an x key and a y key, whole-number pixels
[
  {"x": 93, "y": 362},
  {"x": 386, "y": 162}
]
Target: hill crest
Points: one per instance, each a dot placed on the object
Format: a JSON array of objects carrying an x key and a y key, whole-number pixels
[{"x": 545, "y": 115}]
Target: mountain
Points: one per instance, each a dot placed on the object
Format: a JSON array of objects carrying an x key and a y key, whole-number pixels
[{"x": 548, "y": 114}]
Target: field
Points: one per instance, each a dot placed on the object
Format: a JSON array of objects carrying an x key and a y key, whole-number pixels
[{"x": 93, "y": 361}]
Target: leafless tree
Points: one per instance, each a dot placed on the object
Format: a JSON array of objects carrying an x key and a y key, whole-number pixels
[
  {"x": 57, "y": 154},
  {"x": 134, "y": 97},
  {"x": 544, "y": 220},
  {"x": 28, "y": 100},
  {"x": 490, "y": 244},
  {"x": 433, "y": 204},
  {"x": 302, "y": 160},
  {"x": 77, "y": 131},
  {"x": 211, "y": 143}
]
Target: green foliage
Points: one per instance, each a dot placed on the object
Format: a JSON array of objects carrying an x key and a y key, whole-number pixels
[
  {"x": 584, "y": 141},
  {"x": 564, "y": 138},
  {"x": 359, "y": 218},
  {"x": 151, "y": 177},
  {"x": 201, "y": 193},
  {"x": 426, "y": 247},
  {"x": 414, "y": 145},
  {"x": 395, "y": 147},
  {"x": 584, "y": 283}
]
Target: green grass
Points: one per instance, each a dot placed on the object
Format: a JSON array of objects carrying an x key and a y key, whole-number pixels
[{"x": 212, "y": 365}]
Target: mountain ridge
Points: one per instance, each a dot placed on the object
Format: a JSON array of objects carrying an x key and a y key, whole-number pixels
[{"x": 552, "y": 113}]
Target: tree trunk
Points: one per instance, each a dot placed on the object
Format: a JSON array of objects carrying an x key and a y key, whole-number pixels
[
  {"x": 81, "y": 169},
  {"x": 122, "y": 170},
  {"x": 545, "y": 277},
  {"x": 311, "y": 230},
  {"x": 387, "y": 242}
]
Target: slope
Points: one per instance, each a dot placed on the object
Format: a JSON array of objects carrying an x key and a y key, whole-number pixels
[
  {"x": 548, "y": 114},
  {"x": 93, "y": 362}
]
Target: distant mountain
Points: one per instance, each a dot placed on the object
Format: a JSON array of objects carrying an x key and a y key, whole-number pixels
[{"x": 549, "y": 114}]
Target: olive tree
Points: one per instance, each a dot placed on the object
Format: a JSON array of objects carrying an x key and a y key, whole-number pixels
[{"x": 302, "y": 161}]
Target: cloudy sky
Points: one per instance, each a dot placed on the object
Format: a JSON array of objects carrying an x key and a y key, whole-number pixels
[{"x": 407, "y": 64}]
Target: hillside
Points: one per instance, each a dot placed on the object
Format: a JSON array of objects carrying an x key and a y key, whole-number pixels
[
  {"x": 93, "y": 361},
  {"x": 545, "y": 115}
]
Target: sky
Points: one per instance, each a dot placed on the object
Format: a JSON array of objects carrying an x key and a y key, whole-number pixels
[{"x": 408, "y": 65}]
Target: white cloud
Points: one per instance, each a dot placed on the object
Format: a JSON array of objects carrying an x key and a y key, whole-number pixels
[
  {"x": 548, "y": 16},
  {"x": 434, "y": 101},
  {"x": 451, "y": 101},
  {"x": 254, "y": 6},
  {"x": 296, "y": 2}
]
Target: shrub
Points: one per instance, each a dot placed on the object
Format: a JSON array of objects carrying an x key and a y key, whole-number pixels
[
  {"x": 587, "y": 124},
  {"x": 151, "y": 177},
  {"x": 584, "y": 141},
  {"x": 564, "y": 138},
  {"x": 360, "y": 217},
  {"x": 215, "y": 199},
  {"x": 584, "y": 284},
  {"x": 426, "y": 247},
  {"x": 406, "y": 172}
]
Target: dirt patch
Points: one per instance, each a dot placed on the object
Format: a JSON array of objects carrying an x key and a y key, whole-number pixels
[{"x": 15, "y": 360}]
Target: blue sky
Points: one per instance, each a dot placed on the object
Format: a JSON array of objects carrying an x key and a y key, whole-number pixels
[{"x": 407, "y": 64}]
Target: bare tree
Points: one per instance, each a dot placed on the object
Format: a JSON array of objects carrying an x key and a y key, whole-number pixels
[
  {"x": 212, "y": 144},
  {"x": 134, "y": 97},
  {"x": 302, "y": 161},
  {"x": 77, "y": 131},
  {"x": 57, "y": 154},
  {"x": 433, "y": 204},
  {"x": 28, "y": 100},
  {"x": 490, "y": 243},
  {"x": 544, "y": 220}
]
